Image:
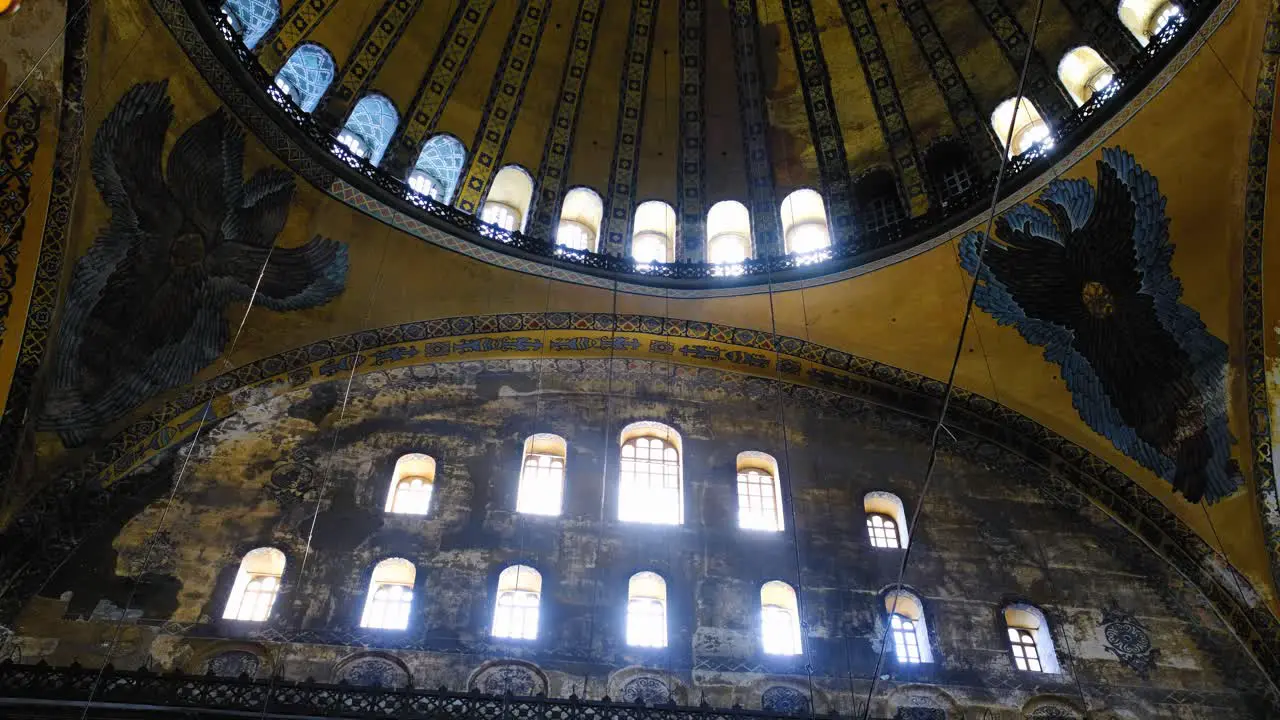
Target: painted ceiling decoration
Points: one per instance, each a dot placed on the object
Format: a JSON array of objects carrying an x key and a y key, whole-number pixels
[
  {"x": 181, "y": 245},
  {"x": 1086, "y": 276}
]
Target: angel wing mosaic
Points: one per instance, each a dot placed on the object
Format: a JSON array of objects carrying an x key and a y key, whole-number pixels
[
  {"x": 1086, "y": 276},
  {"x": 146, "y": 307}
]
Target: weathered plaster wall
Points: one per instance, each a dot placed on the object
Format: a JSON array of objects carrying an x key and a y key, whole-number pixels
[{"x": 1131, "y": 635}]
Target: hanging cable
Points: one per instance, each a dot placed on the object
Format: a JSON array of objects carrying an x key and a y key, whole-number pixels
[{"x": 955, "y": 360}]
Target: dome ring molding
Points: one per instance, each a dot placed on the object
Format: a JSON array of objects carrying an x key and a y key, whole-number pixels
[{"x": 233, "y": 72}]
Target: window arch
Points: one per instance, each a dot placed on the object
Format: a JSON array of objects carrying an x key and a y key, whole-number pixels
[
  {"x": 580, "y": 216},
  {"x": 759, "y": 492},
  {"x": 390, "y": 595},
  {"x": 251, "y": 18},
  {"x": 1029, "y": 639},
  {"x": 653, "y": 234},
  {"x": 886, "y": 520},
  {"x": 369, "y": 127},
  {"x": 728, "y": 233},
  {"x": 878, "y": 200},
  {"x": 1083, "y": 72},
  {"x": 541, "y": 490},
  {"x": 779, "y": 619},
  {"x": 306, "y": 76},
  {"x": 1029, "y": 128},
  {"x": 647, "y": 610},
  {"x": 515, "y": 614},
  {"x": 804, "y": 222},
  {"x": 949, "y": 168},
  {"x": 1146, "y": 18},
  {"x": 507, "y": 204},
  {"x": 256, "y": 585},
  {"x": 650, "y": 484},
  {"x": 435, "y": 173},
  {"x": 412, "y": 483},
  {"x": 907, "y": 626}
]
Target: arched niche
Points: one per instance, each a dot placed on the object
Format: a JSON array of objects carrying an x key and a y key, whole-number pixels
[{"x": 516, "y": 677}]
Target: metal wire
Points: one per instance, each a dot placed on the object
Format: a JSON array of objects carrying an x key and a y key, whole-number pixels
[{"x": 955, "y": 360}]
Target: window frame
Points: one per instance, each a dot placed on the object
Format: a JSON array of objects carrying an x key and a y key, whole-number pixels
[
  {"x": 629, "y": 509},
  {"x": 390, "y": 575},
  {"x": 778, "y": 619},
  {"x": 255, "y": 565},
  {"x": 877, "y": 534},
  {"x": 658, "y": 621},
  {"x": 517, "y": 604}
]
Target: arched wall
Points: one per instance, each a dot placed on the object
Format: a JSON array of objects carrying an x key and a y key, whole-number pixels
[{"x": 996, "y": 525}]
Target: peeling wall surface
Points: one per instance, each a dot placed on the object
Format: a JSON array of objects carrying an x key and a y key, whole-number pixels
[{"x": 308, "y": 472}]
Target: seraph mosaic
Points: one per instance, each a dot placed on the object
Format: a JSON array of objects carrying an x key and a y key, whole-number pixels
[
  {"x": 147, "y": 304},
  {"x": 1086, "y": 276}
]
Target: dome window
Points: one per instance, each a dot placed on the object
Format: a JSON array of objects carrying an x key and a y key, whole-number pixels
[
  {"x": 653, "y": 234},
  {"x": 1148, "y": 18},
  {"x": 804, "y": 222},
  {"x": 425, "y": 185},
  {"x": 877, "y": 195},
  {"x": 1083, "y": 72},
  {"x": 251, "y": 19},
  {"x": 369, "y": 128},
  {"x": 947, "y": 164},
  {"x": 441, "y": 160},
  {"x": 1029, "y": 129},
  {"x": 580, "y": 218},
  {"x": 507, "y": 204},
  {"x": 306, "y": 76},
  {"x": 728, "y": 233}
]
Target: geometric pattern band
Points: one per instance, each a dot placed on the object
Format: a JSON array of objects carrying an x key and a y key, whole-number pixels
[
  {"x": 692, "y": 154},
  {"x": 368, "y": 56},
  {"x": 884, "y": 95},
  {"x": 438, "y": 82},
  {"x": 824, "y": 125},
  {"x": 970, "y": 120},
  {"x": 504, "y": 102},
  {"x": 297, "y": 23},
  {"x": 762, "y": 195},
  {"x": 1042, "y": 85},
  {"x": 626, "y": 151},
  {"x": 558, "y": 148}
]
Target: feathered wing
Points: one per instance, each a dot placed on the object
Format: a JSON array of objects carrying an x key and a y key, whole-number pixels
[
  {"x": 1030, "y": 266},
  {"x": 294, "y": 278},
  {"x": 125, "y": 163},
  {"x": 205, "y": 172}
]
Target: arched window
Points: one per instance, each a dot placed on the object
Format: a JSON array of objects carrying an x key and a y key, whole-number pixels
[
  {"x": 886, "y": 520},
  {"x": 369, "y": 127},
  {"x": 948, "y": 166},
  {"x": 728, "y": 233},
  {"x": 390, "y": 595},
  {"x": 256, "y": 585},
  {"x": 804, "y": 222},
  {"x": 877, "y": 195},
  {"x": 541, "y": 489},
  {"x": 411, "y": 484},
  {"x": 515, "y": 614},
  {"x": 251, "y": 18},
  {"x": 647, "y": 610},
  {"x": 507, "y": 204},
  {"x": 1146, "y": 18},
  {"x": 650, "y": 489},
  {"x": 906, "y": 623},
  {"x": 759, "y": 495},
  {"x": 306, "y": 76},
  {"x": 654, "y": 233},
  {"x": 1028, "y": 127},
  {"x": 779, "y": 619},
  {"x": 435, "y": 174},
  {"x": 580, "y": 218},
  {"x": 1029, "y": 639},
  {"x": 1083, "y": 72}
]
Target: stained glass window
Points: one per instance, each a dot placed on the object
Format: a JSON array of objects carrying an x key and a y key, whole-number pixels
[
  {"x": 373, "y": 121},
  {"x": 253, "y": 18},
  {"x": 442, "y": 158},
  {"x": 307, "y": 75}
]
